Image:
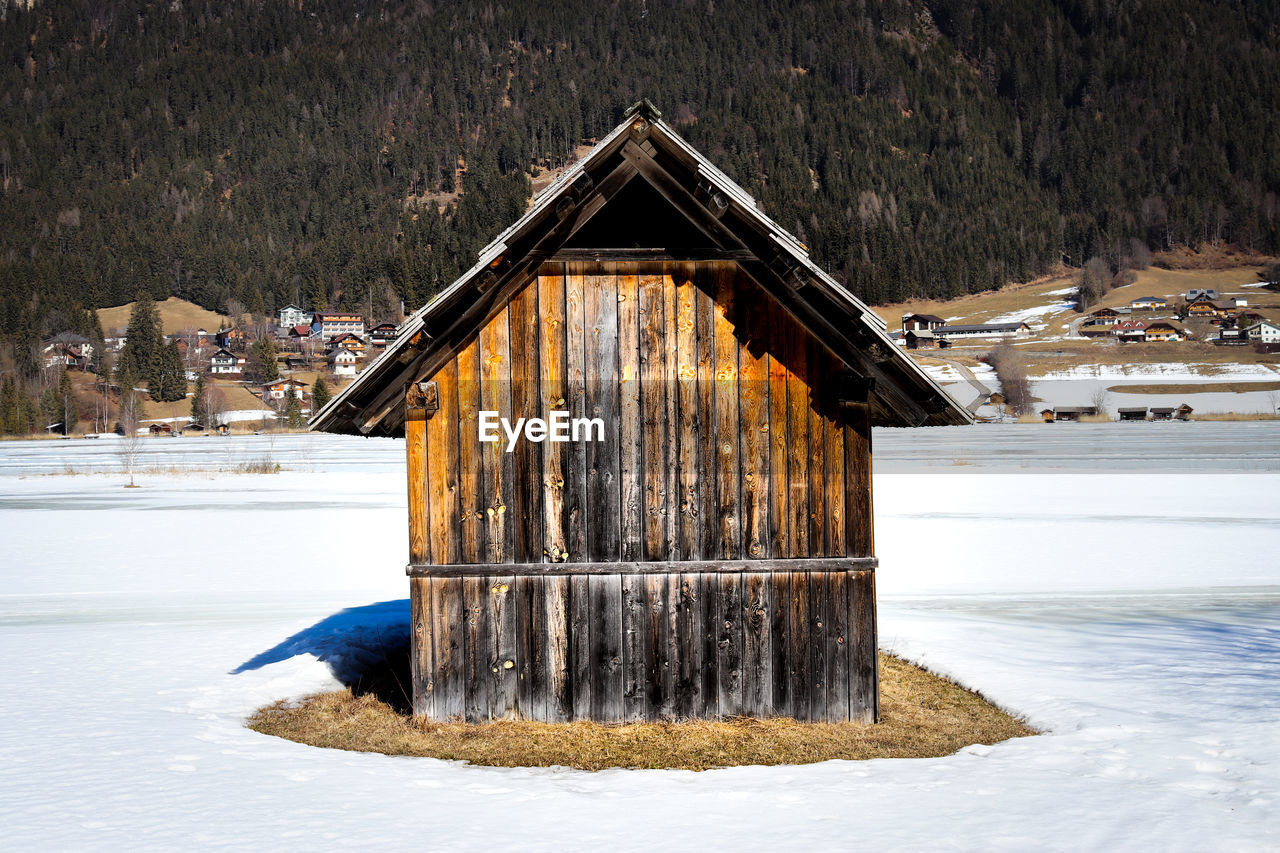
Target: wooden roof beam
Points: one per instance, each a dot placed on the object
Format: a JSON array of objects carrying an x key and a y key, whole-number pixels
[
  {"x": 680, "y": 197},
  {"x": 850, "y": 351},
  {"x": 500, "y": 287}
]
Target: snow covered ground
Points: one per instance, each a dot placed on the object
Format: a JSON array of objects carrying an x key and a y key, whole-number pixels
[
  {"x": 1115, "y": 583},
  {"x": 1040, "y": 314}
]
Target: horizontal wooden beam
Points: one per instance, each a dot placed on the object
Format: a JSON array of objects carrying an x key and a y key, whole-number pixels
[
  {"x": 817, "y": 564},
  {"x": 642, "y": 255}
]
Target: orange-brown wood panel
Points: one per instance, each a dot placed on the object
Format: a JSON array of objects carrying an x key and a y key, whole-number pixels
[
  {"x": 797, "y": 351},
  {"x": 671, "y": 401},
  {"x": 656, "y": 450},
  {"x": 575, "y": 480},
  {"x": 472, "y": 528},
  {"x": 551, "y": 364},
  {"x": 442, "y": 469},
  {"x": 704, "y": 311},
  {"x": 779, "y": 450},
  {"x": 496, "y": 466},
  {"x": 727, "y": 428},
  {"x": 630, "y": 469},
  {"x": 751, "y": 324},
  {"x": 415, "y": 445},
  {"x": 815, "y": 358},
  {"x": 691, "y": 504},
  {"x": 857, "y": 472},
  {"x": 525, "y": 403},
  {"x": 603, "y": 508}
]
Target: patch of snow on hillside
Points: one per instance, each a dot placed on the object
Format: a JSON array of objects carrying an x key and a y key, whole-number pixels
[
  {"x": 1038, "y": 314},
  {"x": 942, "y": 373}
]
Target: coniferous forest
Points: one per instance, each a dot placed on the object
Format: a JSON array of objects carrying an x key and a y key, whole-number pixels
[{"x": 353, "y": 153}]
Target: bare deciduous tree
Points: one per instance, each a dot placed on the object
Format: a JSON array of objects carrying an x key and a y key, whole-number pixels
[
  {"x": 130, "y": 442},
  {"x": 1011, "y": 373}
]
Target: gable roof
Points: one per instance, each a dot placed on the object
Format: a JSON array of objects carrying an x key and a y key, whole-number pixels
[{"x": 644, "y": 149}]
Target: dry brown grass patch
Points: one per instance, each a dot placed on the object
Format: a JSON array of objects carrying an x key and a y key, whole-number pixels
[
  {"x": 1235, "y": 416},
  {"x": 1233, "y": 387},
  {"x": 176, "y": 315},
  {"x": 923, "y": 716}
]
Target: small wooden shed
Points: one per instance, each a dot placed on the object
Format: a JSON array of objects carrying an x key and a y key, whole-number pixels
[{"x": 704, "y": 550}]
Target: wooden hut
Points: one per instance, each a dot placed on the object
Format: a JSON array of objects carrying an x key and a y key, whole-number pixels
[{"x": 705, "y": 548}]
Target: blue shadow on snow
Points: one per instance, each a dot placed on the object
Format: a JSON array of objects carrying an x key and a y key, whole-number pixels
[{"x": 354, "y": 642}]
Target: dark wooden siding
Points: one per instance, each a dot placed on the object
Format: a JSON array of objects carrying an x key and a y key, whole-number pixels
[
  {"x": 723, "y": 439},
  {"x": 615, "y": 647}
]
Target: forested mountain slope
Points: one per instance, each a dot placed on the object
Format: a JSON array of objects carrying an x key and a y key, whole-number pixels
[{"x": 270, "y": 152}]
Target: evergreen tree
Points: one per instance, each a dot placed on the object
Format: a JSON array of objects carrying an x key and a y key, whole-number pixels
[
  {"x": 140, "y": 357},
  {"x": 197, "y": 403},
  {"x": 168, "y": 380},
  {"x": 262, "y": 361},
  {"x": 51, "y": 409},
  {"x": 293, "y": 413},
  {"x": 320, "y": 395},
  {"x": 70, "y": 414}
]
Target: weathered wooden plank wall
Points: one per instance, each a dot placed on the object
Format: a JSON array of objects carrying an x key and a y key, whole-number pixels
[
  {"x": 724, "y": 440},
  {"x": 633, "y": 646}
]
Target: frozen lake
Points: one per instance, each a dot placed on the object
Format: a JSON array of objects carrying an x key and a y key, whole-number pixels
[{"x": 1115, "y": 583}]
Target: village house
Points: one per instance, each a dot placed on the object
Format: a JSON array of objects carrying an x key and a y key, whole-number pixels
[
  {"x": 1230, "y": 336},
  {"x": 342, "y": 362},
  {"x": 1148, "y": 303},
  {"x": 646, "y": 290},
  {"x": 292, "y": 315},
  {"x": 1106, "y": 316},
  {"x": 1161, "y": 330},
  {"x": 1264, "y": 332},
  {"x": 349, "y": 342},
  {"x": 1132, "y": 413},
  {"x": 230, "y": 339},
  {"x": 224, "y": 361},
  {"x": 1096, "y": 331},
  {"x": 1130, "y": 331},
  {"x": 66, "y": 349},
  {"x": 921, "y": 322},
  {"x": 1200, "y": 293},
  {"x": 1223, "y": 308},
  {"x": 922, "y": 340},
  {"x": 1201, "y": 309},
  {"x": 330, "y": 324},
  {"x": 382, "y": 334},
  {"x": 282, "y": 388}
]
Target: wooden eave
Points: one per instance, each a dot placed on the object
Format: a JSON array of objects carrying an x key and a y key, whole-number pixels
[{"x": 643, "y": 147}]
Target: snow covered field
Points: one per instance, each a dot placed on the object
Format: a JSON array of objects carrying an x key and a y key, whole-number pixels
[{"x": 1117, "y": 584}]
